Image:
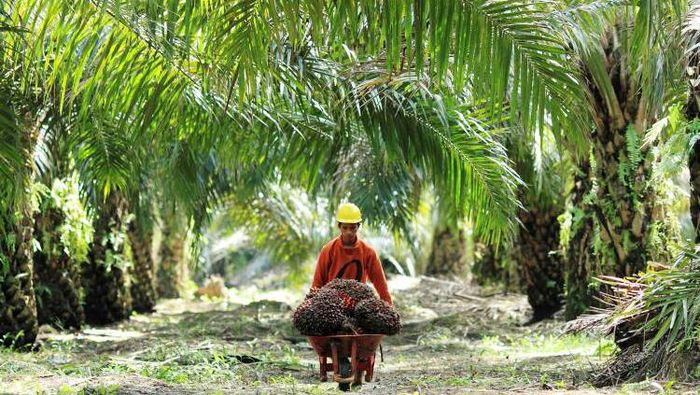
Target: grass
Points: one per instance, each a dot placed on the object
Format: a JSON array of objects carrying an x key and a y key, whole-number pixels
[
  {"x": 548, "y": 344},
  {"x": 204, "y": 352},
  {"x": 463, "y": 381},
  {"x": 207, "y": 364},
  {"x": 517, "y": 358},
  {"x": 99, "y": 390},
  {"x": 187, "y": 361}
]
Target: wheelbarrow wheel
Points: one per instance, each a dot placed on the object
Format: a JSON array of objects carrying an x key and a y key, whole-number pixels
[{"x": 344, "y": 368}]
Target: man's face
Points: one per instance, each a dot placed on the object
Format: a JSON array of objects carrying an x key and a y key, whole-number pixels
[{"x": 348, "y": 231}]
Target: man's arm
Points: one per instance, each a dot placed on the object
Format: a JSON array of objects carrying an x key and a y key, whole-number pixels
[
  {"x": 376, "y": 276},
  {"x": 321, "y": 274}
]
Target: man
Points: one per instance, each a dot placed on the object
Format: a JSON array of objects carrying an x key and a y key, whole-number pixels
[{"x": 349, "y": 257}]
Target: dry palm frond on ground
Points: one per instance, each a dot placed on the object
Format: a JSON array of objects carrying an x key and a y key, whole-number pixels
[{"x": 655, "y": 318}]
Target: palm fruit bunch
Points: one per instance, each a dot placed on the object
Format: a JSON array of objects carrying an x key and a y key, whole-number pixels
[
  {"x": 328, "y": 305},
  {"x": 351, "y": 291},
  {"x": 377, "y": 316},
  {"x": 311, "y": 294},
  {"x": 345, "y": 307},
  {"x": 351, "y": 327}
]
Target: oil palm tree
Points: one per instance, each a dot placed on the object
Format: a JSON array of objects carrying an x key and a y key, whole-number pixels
[
  {"x": 84, "y": 64},
  {"x": 105, "y": 275},
  {"x": 64, "y": 232},
  {"x": 652, "y": 314},
  {"x": 19, "y": 133},
  {"x": 536, "y": 251},
  {"x": 629, "y": 54},
  {"x": 610, "y": 60},
  {"x": 140, "y": 234}
]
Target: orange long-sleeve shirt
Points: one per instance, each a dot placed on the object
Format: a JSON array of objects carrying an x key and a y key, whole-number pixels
[{"x": 339, "y": 261}]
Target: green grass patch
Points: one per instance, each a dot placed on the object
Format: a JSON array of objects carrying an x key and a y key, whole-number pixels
[{"x": 548, "y": 344}]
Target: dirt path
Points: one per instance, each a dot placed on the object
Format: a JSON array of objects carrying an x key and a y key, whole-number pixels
[{"x": 454, "y": 341}]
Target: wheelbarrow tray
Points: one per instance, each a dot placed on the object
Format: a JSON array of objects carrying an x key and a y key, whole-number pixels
[{"x": 360, "y": 349}]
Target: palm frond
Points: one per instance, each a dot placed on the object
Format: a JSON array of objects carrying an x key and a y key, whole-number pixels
[
  {"x": 582, "y": 23},
  {"x": 506, "y": 51},
  {"x": 104, "y": 157},
  {"x": 282, "y": 221},
  {"x": 655, "y": 45},
  {"x": 543, "y": 167},
  {"x": 147, "y": 71},
  {"x": 459, "y": 148},
  {"x": 659, "y": 310}
]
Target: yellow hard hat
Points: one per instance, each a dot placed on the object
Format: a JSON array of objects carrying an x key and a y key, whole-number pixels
[{"x": 349, "y": 213}]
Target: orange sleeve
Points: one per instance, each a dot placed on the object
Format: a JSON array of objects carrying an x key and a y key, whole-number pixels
[
  {"x": 322, "y": 266},
  {"x": 376, "y": 276}
]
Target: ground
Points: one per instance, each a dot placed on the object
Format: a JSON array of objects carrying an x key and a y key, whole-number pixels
[{"x": 456, "y": 339}]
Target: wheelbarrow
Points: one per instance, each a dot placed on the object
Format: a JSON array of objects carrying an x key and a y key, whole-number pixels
[{"x": 360, "y": 349}]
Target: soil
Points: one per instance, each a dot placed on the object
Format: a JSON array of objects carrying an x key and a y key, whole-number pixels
[{"x": 455, "y": 339}]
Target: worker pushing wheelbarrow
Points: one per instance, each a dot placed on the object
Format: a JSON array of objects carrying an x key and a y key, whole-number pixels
[{"x": 344, "y": 319}]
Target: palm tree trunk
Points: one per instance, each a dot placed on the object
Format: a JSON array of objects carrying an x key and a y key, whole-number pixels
[
  {"x": 143, "y": 292},
  {"x": 107, "y": 297},
  {"x": 56, "y": 275},
  {"x": 616, "y": 209},
  {"x": 622, "y": 208},
  {"x": 692, "y": 112},
  {"x": 617, "y": 200},
  {"x": 18, "y": 320},
  {"x": 487, "y": 267},
  {"x": 171, "y": 258},
  {"x": 539, "y": 266},
  {"x": 580, "y": 260},
  {"x": 449, "y": 253},
  {"x": 694, "y": 166}
]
